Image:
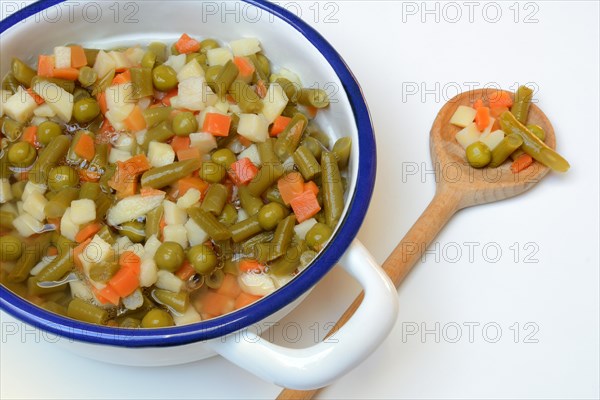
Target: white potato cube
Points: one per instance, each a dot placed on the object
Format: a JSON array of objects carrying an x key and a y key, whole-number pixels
[
  {"x": 35, "y": 204},
  {"x": 62, "y": 57},
  {"x": 31, "y": 187},
  {"x": 253, "y": 127},
  {"x": 122, "y": 244},
  {"x": 104, "y": 64},
  {"x": 168, "y": 281},
  {"x": 68, "y": 228},
  {"x": 124, "y": 142},
  {"x": 488, "y": 128},
  {"x": 245, "y": 47},
  {"x": 221, "y": 106},
  {"x": 134, "y": 301},
  {"x": 468, "y": 135},
  {"x": 5, "y": 191},
  {"x": 190, "y": 70},
  {"x": 256, "y": 284},
  {"x": 177, "y": 234},
  {"x": 252, "y": 153},
  {"x": 26, "y": 225},
  {"x": 44, "y": 111},
  {"x": 152, "y": 244},
  {"x": 302, "y": 228},
  {"x": 208, "y": 110},
  {"x": 135, "y": 55},
  {"x": 242, "y": 215},
  {"x": 274, "y": 102},
  {"x": 119, "y": 95},
  {"x": 205, "y": 142},
  {"x": 57, "y": 98},
  {"x": 173, "y": 214},
  {"x": 160, "y": 154},
  {"x": 80, "y": 290},
  {"x": 191, "y": 197},
  {"x": 189, "y": 316},
  {"x": 148, "y": 272},
  {"x": 463, "y": 116},
  {"x": 36, "y": 121},
  {"x": 218, "y": 56},
  {"x": 20, "y": 106},
  {"x": 97, "y": 251},
  {"x": 195, "y": 234},
  {"x": 133, "y": 207},
  {"x": 83, "y": 211},
  {"x": 120, "y": 59},
  {"x": 4, "y": 96},
  {"x": 176, "y": 62},
  {"x": 492, "y": 139},
  {"x": 290, "y": 76},
  {"x": 118, "y": 155}
]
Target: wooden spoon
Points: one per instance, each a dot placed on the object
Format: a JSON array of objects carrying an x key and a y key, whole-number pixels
[{"x": 458, "y": 186}]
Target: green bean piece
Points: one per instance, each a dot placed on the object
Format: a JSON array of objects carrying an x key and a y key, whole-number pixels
[
  {"x": 62, "y": 244},
  {"x": 80, "y": 94},
  {"x": 233, "y": 127},
  {"x": 100, "y": 160},
  {"x": 281, "y": 240},
  {"x": 318, "y": 235},
  {"x": 5, "y": 171},
  {"x": 58, "y": 268},
  {"x": 504, "y": 149},
  {"x": 21, "y": 154},
  {"x": 266, "y": 151},
  {"x": 22, "y": 72},
  {"x": 333, "y": 190},
  {"x": 103, "y": 203},
  {"x": 246, "y": 97},
  {"x": 291, "y": 89},
  {"x": 56, "y": 150},
  {"x": 103, "y": 82},
  {"x": 148, "y": 60},
  {"x": 155, "y": 116},
  {"x": 249, "y": 246},
  {"x": 478, "y": 154},
  {"x": 11, "y": 247},
  {"x": 90, "y": 55},
  {"x": 106, "y": 235},
  {"x": 56, "y": 207},
  {"x": 532, "y": 145},
  {"x": 17, "y": 189},
  {"x": 290, "y": 110},
  {"x": 202, "y": 258},
  {"x": 95, "y": 125},
  {"x": 225, "y": 79},
  {"x": 229, "y": 215},
  {"x": 245, "y": 229},
  {"x": 67, "y": 85},
  {"x": 109, "y": 172},
  {"x": 103, "y": 271},
  {"x": 34, "y": 290},
  {"x": 215, "y": 199},
  {"x": 157, "y": 318},
  {"x": 341, "y": 150},
  {"x": 141, "y": 80},
  {"x": 55, "y": 308},
  {"x": 273, "y": 195},
  {"x": 211, "y": 75},
  {"x": 159, "y": 177},
  {"x": 266, "y": 176},
  {"x": 209, "y": 224},
  {"x": 134, "y": 230},
  {"x": 200, "y": 58},
  {"x": 87, "y": 76},
  {"x": 11, "y": 129},
  {"x": 160, "y": 50},
  {"x": 160, "y": 133},
  {"x": 10, "y": 83},
  {"x": 314, "y": 146},
  {"x": 317, "y": 98},
  {"x": 313, "y": 131},
  {"x": 215, "y": 280},
  {"x": 231, "y": 266},
  {"x": 86, "y": 312},
  {"x": 307, "y": 163},
  {"x": 250, "y": 203},
  {"x": 153, "y": 221},
  {"x": 178, "y": 302},
  {"x": 263, "y": 69},
  {"x": 6, "y": 220},
  {"x": 287, "y": 142},
  {"x": 520, "y": 107},
  {"x": 288, "y": 264},
  {"x": 537, "y": 131}
]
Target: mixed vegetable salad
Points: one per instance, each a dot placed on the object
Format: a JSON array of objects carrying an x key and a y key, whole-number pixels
[
  {"x": 497, "y": 130},
  {"x": 151, "y": 187}
]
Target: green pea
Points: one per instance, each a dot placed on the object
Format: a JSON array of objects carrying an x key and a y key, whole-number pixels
[
  {"x": 224, "y": 157},
  {"x": 215, "y": 280},
  {"x": 212, "y": 172},
  {"x": 174, "y": 50},
  {"x": 184, "y": 123},
  {"x": 169, "y": 256},
  {"x": 87, "y": 76},
  {"x": 62, "y": 177},
  {"x": 478, "y": 155},
  {"x": 318, "y": 235},
  {"x": 208, "y": 44},
  {"x": 202, "y": 258},
  {"x": 164, "y": 78},
  {"x": 270, "y": 215},
  {"x": 17, "y": 189},
  {"x": 47, "y": 131},
  {"x": 86, "y": 110},
  {"x": 22, "y": 154},
  {"x": 157, "y": 318},
  {"x": 134, "y": 230},
  {"x": 10, "y": 248}
]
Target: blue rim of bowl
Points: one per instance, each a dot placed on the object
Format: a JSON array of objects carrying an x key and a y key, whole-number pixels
[{"x": 210, "y": 329}]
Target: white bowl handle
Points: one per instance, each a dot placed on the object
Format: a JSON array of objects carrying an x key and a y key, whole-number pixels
[{"x": 321, "y": 364}]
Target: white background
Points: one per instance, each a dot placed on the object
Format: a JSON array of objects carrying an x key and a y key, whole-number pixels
[{"x": 395, "y": 54}]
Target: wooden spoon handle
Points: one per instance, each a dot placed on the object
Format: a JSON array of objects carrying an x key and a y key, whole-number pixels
[{"x": 398, "y": 264}]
